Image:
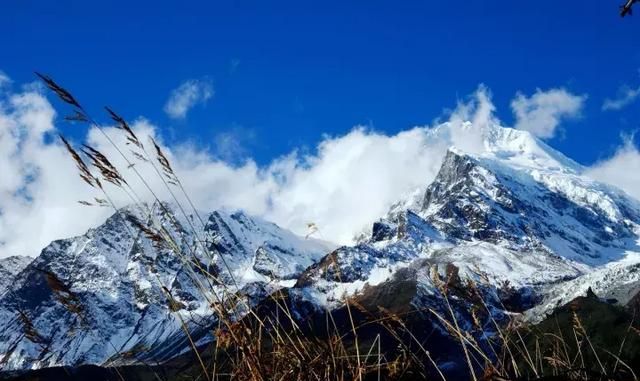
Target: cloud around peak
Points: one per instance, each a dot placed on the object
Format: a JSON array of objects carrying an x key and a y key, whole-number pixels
[
  {"x": 189, "y": 94},
  {"x": 343, "y": 185}
]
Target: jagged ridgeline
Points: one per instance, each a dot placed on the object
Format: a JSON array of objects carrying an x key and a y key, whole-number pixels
[{"x": 510, "y": 264}]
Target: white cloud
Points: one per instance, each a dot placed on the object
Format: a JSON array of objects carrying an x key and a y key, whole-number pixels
[
  {"x": 478, "y": 110},
  {"x": 345, "y": 184},
  {"x": 626, "y": 95},
  {"x": 621, "y": 169},
  {"x": 187, "y": 95},
  {"x": 542, "y": 112},
  {"x": 38, "y": 183}
]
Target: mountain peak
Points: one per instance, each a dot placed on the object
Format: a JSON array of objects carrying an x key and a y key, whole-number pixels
[
  {"x": 519, "y": 192},
  {"x": 516, "y": 147}
]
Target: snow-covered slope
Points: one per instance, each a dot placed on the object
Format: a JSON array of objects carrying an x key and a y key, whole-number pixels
[
  {"x": 111, "y": 294},
  {"x": 262, "y": 251},
  {"x": 9, "y": 268}
]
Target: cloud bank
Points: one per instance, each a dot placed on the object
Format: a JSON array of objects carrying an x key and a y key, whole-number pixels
[
  {"x": 187, "y": 95},
  {"x": 346, "y": 183}
]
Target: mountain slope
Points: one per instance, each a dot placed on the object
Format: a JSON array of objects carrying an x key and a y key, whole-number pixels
[
  {"x": 9, "y": 268},
  {"x": 90, "y": 298}
]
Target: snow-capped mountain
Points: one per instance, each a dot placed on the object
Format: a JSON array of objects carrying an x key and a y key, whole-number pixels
[
  {"x": 518, "y": 211},
  {"x": 514, "y": 216},
  {"x": 516, "y": 225},
  {"x": 111, "y": 291}
]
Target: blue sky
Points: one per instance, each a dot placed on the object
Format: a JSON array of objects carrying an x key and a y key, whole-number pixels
[
  {"x": 285, "y": 73},
  {"x": 256, "y": 103}
]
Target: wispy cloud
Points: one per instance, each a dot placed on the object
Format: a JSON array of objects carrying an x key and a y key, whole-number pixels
[
  {"x": 232, "y": 145},
  {"x": 187, "y": 95},
  {"x": 4, "y": 79},
  {"x": 233, "y": 65},
  {"x": 542, "y": 112},
  {"x": 625, "y": 96}
]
